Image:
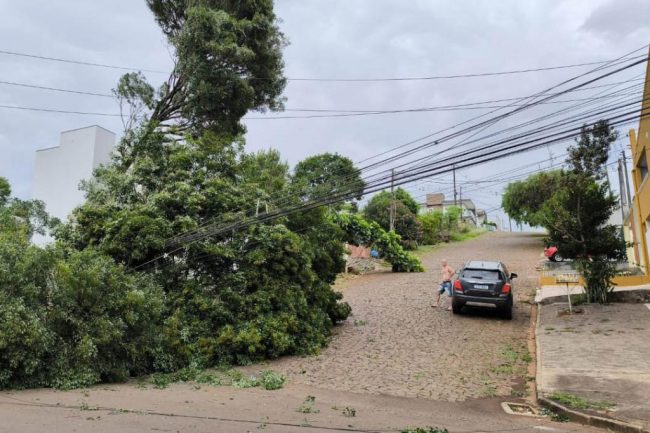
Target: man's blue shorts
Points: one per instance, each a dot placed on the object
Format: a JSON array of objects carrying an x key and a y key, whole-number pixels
[{"x": 445, "y": 287}]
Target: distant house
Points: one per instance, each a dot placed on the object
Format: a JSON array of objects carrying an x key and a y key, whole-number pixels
[
  {"x": 436, "y": 201},
  {"x": 481, "y": 217}
]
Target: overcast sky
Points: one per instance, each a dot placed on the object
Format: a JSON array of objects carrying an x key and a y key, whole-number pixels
[{"x": 328, "y": 39}]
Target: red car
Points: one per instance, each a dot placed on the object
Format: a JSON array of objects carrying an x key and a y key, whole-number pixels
[{"x": 552, "y": 254}]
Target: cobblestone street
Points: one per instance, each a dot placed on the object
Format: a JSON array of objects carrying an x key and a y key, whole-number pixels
[{"x": 396, "y": 343}]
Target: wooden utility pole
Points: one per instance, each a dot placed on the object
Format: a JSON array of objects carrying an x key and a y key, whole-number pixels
[
  {"x": 453, "y": 170},
  {"x": 392, "y": 200}
]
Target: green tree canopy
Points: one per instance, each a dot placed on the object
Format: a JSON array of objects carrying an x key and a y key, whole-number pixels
[
  {"x": 407, "y": 224},
  {"x": 327, "y": 174},
  {"x": 523, "y": 200},
  {"x": 227, "y": 61},
  {"x": 5, "y": 190}
]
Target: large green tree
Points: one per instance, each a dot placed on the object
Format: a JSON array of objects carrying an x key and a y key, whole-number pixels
[
  {"x": 578, "y": 213},
  {"x": 523, "y": 200},
  {"x": 240, "y": 295}
]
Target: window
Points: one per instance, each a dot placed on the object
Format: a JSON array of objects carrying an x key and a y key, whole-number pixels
[
  {"x": 643, "y": 166},
  {"x": 481, "y": 274}
]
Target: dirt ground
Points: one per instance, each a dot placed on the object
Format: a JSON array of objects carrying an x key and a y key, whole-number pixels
[
  {"x": 396, "y": 343},
  {"x": 397, "y": 362}
]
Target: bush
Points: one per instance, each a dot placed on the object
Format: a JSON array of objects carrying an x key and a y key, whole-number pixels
[
  {"x": 361, "y": 232},
  {"x": 271, "y": 380},
  {"x": 70, "y": 318}
]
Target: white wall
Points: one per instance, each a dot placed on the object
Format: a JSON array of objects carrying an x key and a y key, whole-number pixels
[{"x": 58, "y": 171}]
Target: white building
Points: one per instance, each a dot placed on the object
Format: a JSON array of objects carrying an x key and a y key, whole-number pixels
[{"x": 59, "y": 170}]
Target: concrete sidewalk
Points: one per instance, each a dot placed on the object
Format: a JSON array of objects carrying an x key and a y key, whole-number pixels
[{"x": 600, "y": 355}]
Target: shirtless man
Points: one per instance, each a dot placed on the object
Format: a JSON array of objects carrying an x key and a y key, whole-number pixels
[{"x": 447, "y": 272}]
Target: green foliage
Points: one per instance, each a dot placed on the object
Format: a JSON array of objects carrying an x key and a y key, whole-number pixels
[
  {"x": 349, "y": 412},
  {"x": 555, "y": 416},
  {"x": 407, "y": 224},
  {"x": 589, "y": 155},
  {"x": 361, "y": 232},
  {"x": 246, "y": 382},
  {"x": 438, "y": 226},
  {"x": 271, "y": 380},
  {"x": 5, "y": 191},
  {"x": 104, "y": 302},
  {"x": 70, "y": 318},
  {"x": 328, "y": 174},
  {"x": 578, "y": 402},
  {"x": 523, "y": 200},
  {"x": 228, "y": 60},
  {"x": 575, "y": 206}
]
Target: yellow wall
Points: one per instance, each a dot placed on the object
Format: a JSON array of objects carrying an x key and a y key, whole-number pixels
[{"x": 641, "y": 202}]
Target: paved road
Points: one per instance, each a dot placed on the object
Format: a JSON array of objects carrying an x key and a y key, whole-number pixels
[
  {"x": 397, "y": 344},
  {"x": 403, "y": 364}
]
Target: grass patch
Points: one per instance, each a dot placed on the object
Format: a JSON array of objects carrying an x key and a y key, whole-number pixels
[
  {"x": 515, "y": 360},
  {"x": 349, "y": 412},
  {"x": 307, "y": 406},
  {"x": 360, "y": 322},
  {"x": 577, "y": 402},
  {"x": 268, "y": 379}
]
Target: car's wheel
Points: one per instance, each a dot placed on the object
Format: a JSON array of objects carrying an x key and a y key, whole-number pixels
[
  {"x": 557, "y": 257},
  {"x": 506, "y": 312},
  {"x": 456, "y": 306}
]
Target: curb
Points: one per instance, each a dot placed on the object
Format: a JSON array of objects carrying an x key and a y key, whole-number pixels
[
  {"x": 572, "y": 414},
  {"x": 592, "y": 420}
]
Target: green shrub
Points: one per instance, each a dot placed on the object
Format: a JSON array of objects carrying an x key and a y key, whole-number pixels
[
  {"x": 361, "y": 232},
  {"x": 271, "y": 380}
]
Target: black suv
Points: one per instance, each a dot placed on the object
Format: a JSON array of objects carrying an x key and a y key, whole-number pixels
[{"x": 483, "y": 283}]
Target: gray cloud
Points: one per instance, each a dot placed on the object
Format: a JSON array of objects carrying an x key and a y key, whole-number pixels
[
  {"x": 617, "y": 19},
  {"x": 337, "y": 38}
]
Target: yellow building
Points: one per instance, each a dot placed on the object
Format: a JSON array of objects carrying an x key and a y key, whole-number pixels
[{"x": 637, "y": 224}]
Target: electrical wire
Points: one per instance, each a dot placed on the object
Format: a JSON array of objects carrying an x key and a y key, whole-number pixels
[
  {"x": 318, "y": 79},
  {"x": 583, "y": 84}
]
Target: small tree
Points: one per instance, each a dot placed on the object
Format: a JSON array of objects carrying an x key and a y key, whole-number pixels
[{"x": 577, "y": 213}]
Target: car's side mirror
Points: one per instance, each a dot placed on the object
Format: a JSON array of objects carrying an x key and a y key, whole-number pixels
[{"x": 513, "y": 275}]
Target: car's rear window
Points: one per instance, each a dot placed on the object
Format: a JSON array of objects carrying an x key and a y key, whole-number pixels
[{"x": 480, "y": 274}]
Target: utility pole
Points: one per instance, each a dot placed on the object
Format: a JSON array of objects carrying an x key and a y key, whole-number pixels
[
  {"x": 453, "y": 170},
  {"x": 627, "y": 179},
  {"x": 460, "y": 202},
  {"x": 392, "y": 200}
]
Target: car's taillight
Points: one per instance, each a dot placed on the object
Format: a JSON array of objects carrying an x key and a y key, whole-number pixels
[
  {"x": 506, "y": 289},
  {"x": 458, "y": 286}
]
